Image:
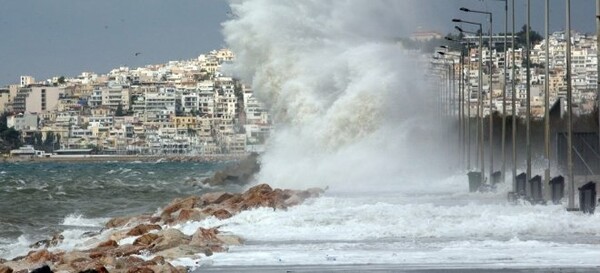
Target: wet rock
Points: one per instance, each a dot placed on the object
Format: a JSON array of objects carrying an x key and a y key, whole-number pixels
[
  {"x": 230, "y": 239},
  {"x": 39, "y": 257},
  {"x": 169, "y": 238},
  {"x": 205, "y": 236},
  {"x": 142, "y": 229},
  {"x": 43, "y": 269},
  {"x": 54, "y": 241},
  {"x": 109, "y": 244},
  {"x": 121, "y": 251},
  {"x": 5, "y": 269},
  {"x": 214, "y": 198},
  {"x": 145, "y": 240},
  {"x": 118, "y": 222},
  {"x": 186, "y": 203},
  {"x": 186, "y": 215},
  {"x": 181, "y": 251},
  {"x": 74, "y": 257},
  {"x": 101, "y": 269},
  {"x": 222, "y": 214},
  {"x": 140, "y": 269}
]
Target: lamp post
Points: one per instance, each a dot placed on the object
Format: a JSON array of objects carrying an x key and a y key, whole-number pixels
[
  {"x": 457, "y": 95},
  {"x": 571, "y": 201},
  {"x": 490, "y": 71},
  {"x": 479, "y": 95},
  {"x": 528, "y": 92},
  {"x": 465, "y": 103},
  {"x": 503, "y": 147},
  {"x": 547, "y": 97},
  {"x": 513, "y": 102}
]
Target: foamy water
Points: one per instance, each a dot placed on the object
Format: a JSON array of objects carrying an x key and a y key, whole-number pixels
[{"x": 453, "y": 228}]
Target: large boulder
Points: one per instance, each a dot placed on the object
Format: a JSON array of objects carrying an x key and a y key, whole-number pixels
[
  {"x": 143, "y": 229},
  {"x": 169, "y": 238},
  {"x": 195, "y": 214},
  {"x": 145, "y": 240},
  {"x": 5, "y": 269},
  {"x": 178, "y": 204}
]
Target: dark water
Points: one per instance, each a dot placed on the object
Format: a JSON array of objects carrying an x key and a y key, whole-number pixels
[{"x": 35, "y": 198}]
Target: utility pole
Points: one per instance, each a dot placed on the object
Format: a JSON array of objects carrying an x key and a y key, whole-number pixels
[
  {"x": 491, "y": 91},
  {"x": 598, "y": 65},
  {"x": 528, "y": 99},
  {"x": 547, "y": 99},
  {"x": 514, "y": 103},
  {"x": 503, "y": 147},
  {"x": 571, "y": 205}
]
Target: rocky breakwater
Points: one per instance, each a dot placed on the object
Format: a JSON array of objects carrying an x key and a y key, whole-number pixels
[{"x": 150, "y": 243}]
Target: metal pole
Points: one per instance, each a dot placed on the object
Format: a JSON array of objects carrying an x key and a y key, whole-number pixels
[
  {"x": 514, "y": 104},
  {"x": 468, "y": 102},
  {"x": 598, "y": 65},
  {"x": 547, "y": 99},
  {"x": 461, "y": 100},
  {"x": 491, "y": 71},
  {"x": 503, "y": 148},
  {"x": 528, "y": 99},
  {"x": 480, "y": 107},
  {"x": 570, "y": 110}
]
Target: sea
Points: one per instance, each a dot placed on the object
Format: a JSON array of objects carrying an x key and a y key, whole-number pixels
[{"x": 435, "y": 225}]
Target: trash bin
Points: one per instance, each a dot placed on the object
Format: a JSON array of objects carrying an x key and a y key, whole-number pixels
[
  {"x": 496, "y": 177},
  {"x": 557, "y": 189},
  {"x": 474, "y": 181},
  {"x": 535, "y": 189},
  {"x": 587, "y": 198},
  {"x": 521, "y": 184}
]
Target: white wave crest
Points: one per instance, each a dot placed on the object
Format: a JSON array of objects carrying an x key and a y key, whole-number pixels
[{"x": 351, "y": 105}]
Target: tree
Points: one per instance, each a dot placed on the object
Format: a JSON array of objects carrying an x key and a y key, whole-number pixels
[
  {"x": 119, "y": 112},
  {"x": 61, "y": 80},
  {"x": 9, "y": 137},
  {"x": 49, "y": 141},
  {"x": 521, "y": 36}
]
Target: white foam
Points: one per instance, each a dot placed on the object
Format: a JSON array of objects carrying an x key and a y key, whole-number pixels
[{"x": 79, "y": 220}]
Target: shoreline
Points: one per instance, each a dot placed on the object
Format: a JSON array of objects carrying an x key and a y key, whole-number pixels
[{"x": 124, "y": 158}]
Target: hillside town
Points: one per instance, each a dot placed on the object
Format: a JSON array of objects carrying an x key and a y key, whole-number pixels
[
  {"x": 584, "y": 72},
  {"x": 182, "y": 107}
]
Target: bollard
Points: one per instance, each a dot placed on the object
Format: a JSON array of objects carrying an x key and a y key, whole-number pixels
[
  {"x": 557, "y": 189},
  {"x": 496, "y": 176},
  {"x": 474, "y": 181},
  {"x": 587, "y": 198},
  {"x": 535, "y": 190},
  {"x": 521, "y": 189}
]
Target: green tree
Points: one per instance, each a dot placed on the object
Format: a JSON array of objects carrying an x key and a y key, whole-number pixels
[
  {"x": 119, "y": 112},
  {"x": 49, "y": 141},
  {"x": 521, "y": 36},
  {"x": 61, "y": 80}
]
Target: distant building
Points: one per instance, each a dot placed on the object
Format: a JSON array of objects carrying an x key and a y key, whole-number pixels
[
  {"x": 22, "y": 121},
  {"x": 37, "y": 99},
  {"x": 26, "y": 80}
]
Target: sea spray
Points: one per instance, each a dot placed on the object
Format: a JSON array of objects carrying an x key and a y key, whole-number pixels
[{"x": 351, "y": 105}]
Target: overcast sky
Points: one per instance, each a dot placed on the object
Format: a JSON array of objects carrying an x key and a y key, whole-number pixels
[{"x": 65, "y": 37}]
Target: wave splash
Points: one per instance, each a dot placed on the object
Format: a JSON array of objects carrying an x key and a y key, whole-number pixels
[{"x": 351, "y": 105}]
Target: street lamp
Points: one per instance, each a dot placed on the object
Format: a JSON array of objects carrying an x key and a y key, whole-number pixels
[
  {"x": 491, "y": 68},
  {"x": 458, "y": 98},
  {"x": 464, "y": 103},
  {"x": 479, "y": 95}
]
